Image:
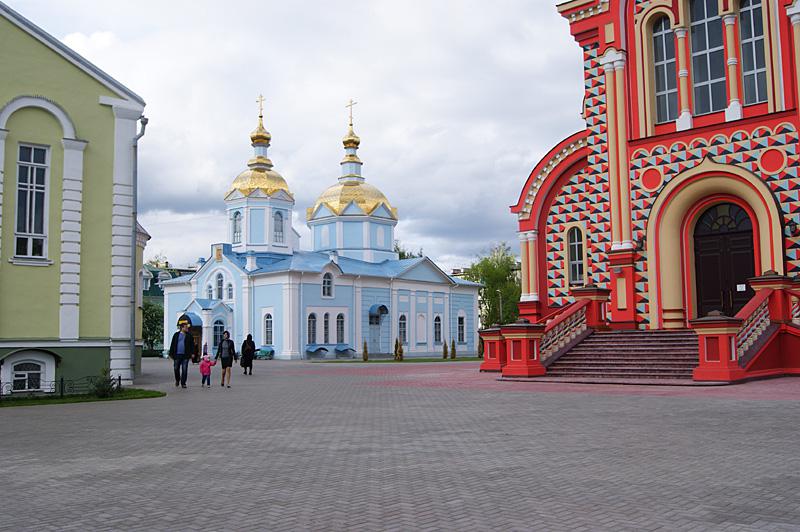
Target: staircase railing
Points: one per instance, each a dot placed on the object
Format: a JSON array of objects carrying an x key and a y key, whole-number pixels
[
  {"x": 566, "y": 327},
  {"x": 756, "y": 322}
]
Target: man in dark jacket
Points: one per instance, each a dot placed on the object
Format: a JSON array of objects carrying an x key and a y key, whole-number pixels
[{"x": 181, "y": 350}]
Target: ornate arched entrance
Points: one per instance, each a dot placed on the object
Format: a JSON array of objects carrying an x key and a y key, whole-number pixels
[{"x": 723, "y": 259}]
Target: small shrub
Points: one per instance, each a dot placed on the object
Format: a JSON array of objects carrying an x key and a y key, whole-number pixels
[
  {"x": 445, "y": 354},
  {"x": 452, "y": 349},
  {"x": 364, "y": 352},
  {"x": 105, "y": 385},
  {"x": 397, "y": 349},
  {"x": 480, "y": 348},
  {"x": 400, "y": 352}
]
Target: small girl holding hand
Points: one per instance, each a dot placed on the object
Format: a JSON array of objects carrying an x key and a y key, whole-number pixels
[{"x": 205, "y": 370}]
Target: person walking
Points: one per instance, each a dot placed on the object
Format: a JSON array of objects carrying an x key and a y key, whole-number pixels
[
  {"x": 248, "y": 351},
  {"x": 181, "y": 350},
  {"x": 205, "y": 370},
  {"x": 226, "y": 353}
]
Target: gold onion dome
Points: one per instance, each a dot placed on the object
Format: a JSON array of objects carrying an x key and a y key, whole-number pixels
[
  {"x": 351, "y": 140},
  {"x": 264, "y": 179},
  {"x": 260, "y": 134},
  {"x": 339, "y": 196}
]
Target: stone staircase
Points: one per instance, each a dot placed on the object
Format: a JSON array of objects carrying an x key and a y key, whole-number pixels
[{"x": 642, "y": 355}]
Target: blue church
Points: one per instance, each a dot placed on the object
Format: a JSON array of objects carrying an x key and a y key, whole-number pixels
[{"x": 349, "y": 289}]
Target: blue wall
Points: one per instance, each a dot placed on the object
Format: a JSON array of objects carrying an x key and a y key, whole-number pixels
[
  {"x": 377, "y": 296},
  {"x": 353, "y": 234},
  {"x": 256, "y": 227},
  {"x": 463, "y": 302},
  {"x": 269, "y": 296}
]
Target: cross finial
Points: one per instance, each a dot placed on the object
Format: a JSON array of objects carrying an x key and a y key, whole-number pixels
[
  {"x": 350, "y": 105},
  {"x": 260, "y": 101}
]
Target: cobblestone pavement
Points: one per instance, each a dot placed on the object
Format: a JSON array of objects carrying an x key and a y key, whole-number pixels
[{"x": 302, "y": 446}]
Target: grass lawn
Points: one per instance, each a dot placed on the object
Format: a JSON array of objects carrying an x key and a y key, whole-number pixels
[
  {"x": 404, "y": 361},
  {"x": 126, "y": 393}
]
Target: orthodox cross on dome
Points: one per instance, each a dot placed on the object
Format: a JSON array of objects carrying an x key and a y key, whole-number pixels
[
  {"x": 260, "y": 102},
  {"x": 350, "y": 105}
]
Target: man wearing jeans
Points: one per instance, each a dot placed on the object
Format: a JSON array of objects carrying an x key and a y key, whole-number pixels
[{"x": 181, "y": 350}]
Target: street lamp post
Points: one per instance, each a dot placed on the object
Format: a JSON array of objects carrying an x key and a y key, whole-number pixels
[{"x": 500, "y": 295}]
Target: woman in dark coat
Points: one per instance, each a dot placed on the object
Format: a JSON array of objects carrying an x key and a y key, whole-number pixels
[
  {"x": 248, "y": 352},
  {"x": 226, "y": 354}
]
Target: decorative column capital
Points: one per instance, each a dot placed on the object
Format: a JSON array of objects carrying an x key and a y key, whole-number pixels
[
  {"x": 794, "y": 12},
  {"x": 680, "y": 32},
  {"x": 613, "y": 59},
  {"x": 729, "y": 19}
]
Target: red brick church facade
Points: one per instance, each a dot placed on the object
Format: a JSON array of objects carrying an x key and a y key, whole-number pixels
[{"x": 677, "y": 208}]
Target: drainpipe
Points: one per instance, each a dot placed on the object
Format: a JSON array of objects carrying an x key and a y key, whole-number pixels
[{"x": 135, "y": 198}]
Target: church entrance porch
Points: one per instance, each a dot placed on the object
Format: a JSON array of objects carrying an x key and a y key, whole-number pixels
[
  {"x": 723, "y": 256},
  {"x": 376, "y": 314}
]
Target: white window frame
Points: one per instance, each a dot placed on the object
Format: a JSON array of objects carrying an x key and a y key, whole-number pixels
[
  {"x": 219, "y": 285},
  {"x": 751, "y": 42},
  {"x": 327, "y": 282},
  {"x": 461, "y": 328},
  {"x": 269, "y": 329},
  {"x": 278, "y": 229},
  {"x": 45, "y": 360},
  {"x": 311, "y": 332},
  {"x": 30, "y": 235},
  {"x": 326, "y": 328},
  {"x": 216, "y": 341},
  {"x": 236, "y": 229},
  {"x": 576, "y": 257},
  {"x": 707, "y": 52},
  {"x": 209, "y": 291},
  {"x": 666, "y": 65},
  {"x": 268, "y": 311},
  {"x": 422, "y": 328},
  {"x": 229, "y": 291},
  {"x": 402, "y": 328},
  {"x": 437, "y": 329},
  {"x": 341, "y": 326}
]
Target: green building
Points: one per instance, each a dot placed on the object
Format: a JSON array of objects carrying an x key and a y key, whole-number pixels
[{"x": 67, "y": 155}]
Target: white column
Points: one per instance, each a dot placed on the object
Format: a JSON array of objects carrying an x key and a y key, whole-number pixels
[
  {"x": 394, "y": 316},
  {"x": 684, "y": 120},
  {"x": 734, "y": 109},
  {"x": 533, "y": 265},
  {"x": 429, "y": 321},
  {"x": 121, "y": 229},
  {"x": 71, "y": 208},
  {"x": 247, "y": 308},
  {"x": 447, "y": 331},
  {"x": 411, "y": 324},
  {"x": 291, "y": 329},
  {"x": 358, "y": 342},
  {"x": 3, "y": 134}
]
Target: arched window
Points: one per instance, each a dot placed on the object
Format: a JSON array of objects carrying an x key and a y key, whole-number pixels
[
  {"x": 437, "y": 329},
  {"x": 326, "y": 328},
  {"x": 575, "y": 258},
  {"x": 312, "y": 328},
  {"x": 461, "y": 329},
  {"x": 237, "y": 227},
  {"x": 708, "y": 57},
  {"x": 327, "y": 285},
  {"x": 219, "y": 328},
  {"x": 754, "y": 68},
  {"x": 664, "y": 66},
  {"x": 268, "y": 329},
  {"x": 220, "y": 282},
  {"x": 340, "y": 328},
  {"x": 277, "y": 220},
  {"x": 27, "y": 377},
  {"x": 230, "y": 291},
  {"x": 209, "y": 292},
  {"x": 402, "y": 330}
]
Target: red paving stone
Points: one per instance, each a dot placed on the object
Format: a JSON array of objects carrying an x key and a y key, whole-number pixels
[{"x": 466, "y": 375}]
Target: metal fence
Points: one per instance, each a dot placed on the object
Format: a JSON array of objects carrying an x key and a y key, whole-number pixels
[{"x": 61, "y": 387}]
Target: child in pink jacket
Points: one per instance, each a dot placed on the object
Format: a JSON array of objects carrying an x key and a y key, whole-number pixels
[{"x": 205, "y": 370}]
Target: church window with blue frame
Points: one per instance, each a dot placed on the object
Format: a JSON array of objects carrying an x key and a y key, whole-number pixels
[
  {"x": 754, "y": 67},
  {"x": 209, "y": 292},
  {"x": 340, "y": 328},
  {"x": 402, "y": 330},
  {"x": 437, "y": 330},
  {"x": 268, "y": 329},
  {"x": 277, "y": 232},
  {"x": 237, "y": 227},
  {"x": 326, "y": 328},
  {"x": 312, "y": 328},
  {"x": 230, "y": 291},
  {"x": 220, "y": 283},
  {"x": 31, "y": 229},
  {"x": 219, "y": 328},
  {"x": 327, "y": 285},
  {"x": 461, "y": 329}
]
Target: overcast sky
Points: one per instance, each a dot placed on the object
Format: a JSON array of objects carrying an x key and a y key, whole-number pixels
[{"x": 458, "y": 100}]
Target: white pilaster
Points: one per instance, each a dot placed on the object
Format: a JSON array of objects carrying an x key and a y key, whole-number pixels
[
  {"x": 122, "y": 222},
  {"x": 291, "y": 326},
  {"x": 71, "y": 208},
  {"x": 358, "y": 342}
]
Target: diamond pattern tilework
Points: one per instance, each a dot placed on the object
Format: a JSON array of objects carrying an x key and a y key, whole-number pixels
[
  {"x": 585, "y": 197},
  {"x": 741, "y": 149}
]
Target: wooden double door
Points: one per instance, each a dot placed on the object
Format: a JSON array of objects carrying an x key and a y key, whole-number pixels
[{"x": 724, "y": 259}]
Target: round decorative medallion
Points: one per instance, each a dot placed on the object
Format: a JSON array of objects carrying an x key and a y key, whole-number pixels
[
  {"x": 651, "y": 179},
  {"x": 772, "y": 161}
]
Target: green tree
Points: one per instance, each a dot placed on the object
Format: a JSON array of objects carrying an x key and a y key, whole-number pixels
[
  {"x": 498, "y": 272},
  {"x": 152, "y": 324},
  {"x": 452, "y": 349},
  {"x": 445, "y": 354},
  {"x": 404, "y": 253},
  {"x": 364, "y": 352}
]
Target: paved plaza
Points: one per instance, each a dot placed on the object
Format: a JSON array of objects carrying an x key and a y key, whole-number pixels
[{"x": 436, "y": 446}]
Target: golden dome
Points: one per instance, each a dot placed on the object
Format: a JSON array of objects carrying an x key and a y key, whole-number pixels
[
  {"x": 260, "y": 134},
  {"x": 266, "y": 180},
  {"x": 351, "y": 140},
  {"x": 339, "y": 196}
]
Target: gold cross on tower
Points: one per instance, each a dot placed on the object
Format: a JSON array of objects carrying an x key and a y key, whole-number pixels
[
  {"x": 260, "y": 102},
  {"x": 350, "y": 105}
]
